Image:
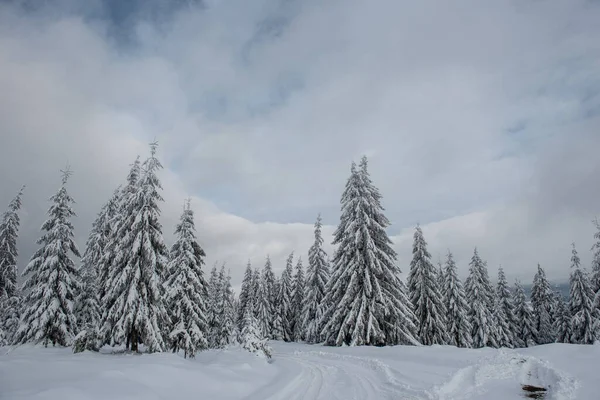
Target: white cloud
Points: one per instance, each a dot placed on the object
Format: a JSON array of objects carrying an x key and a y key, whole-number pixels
[{"x": 260, "y": 128}]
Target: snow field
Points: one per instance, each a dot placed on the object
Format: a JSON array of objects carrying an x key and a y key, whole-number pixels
[{"x": 302, "y": 372}]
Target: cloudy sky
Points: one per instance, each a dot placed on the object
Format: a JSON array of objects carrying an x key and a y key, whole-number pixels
[{"x": 481, "y": 120}]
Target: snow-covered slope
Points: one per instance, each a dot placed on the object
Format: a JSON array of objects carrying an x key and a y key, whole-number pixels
[{"x": 302, "y": 372}]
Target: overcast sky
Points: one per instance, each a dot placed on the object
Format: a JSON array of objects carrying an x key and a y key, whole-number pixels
[{"x": 481, "y": 119}]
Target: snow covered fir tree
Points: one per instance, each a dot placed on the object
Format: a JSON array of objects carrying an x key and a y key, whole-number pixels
[
  {"x": 367, "y": 302},
  {"x": 135, "y": 312},
  {"x": 52, "y": 278},
  {"x": 316, "y": 284},
  {"x": 186, "y": 289},
  {"x": 129, "y": 291},
  {"x": 425, "y": 294}
]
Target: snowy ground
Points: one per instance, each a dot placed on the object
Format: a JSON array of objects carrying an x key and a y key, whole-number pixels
[{"x": 302, "y": 372}]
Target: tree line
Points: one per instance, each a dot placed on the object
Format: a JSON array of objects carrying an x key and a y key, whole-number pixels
[{"x": 131, "y": 290}]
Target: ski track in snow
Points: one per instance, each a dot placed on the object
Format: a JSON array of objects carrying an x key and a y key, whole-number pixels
[
  {"x": 303, "y": 372},
  {"x": 345, "y": 376}
]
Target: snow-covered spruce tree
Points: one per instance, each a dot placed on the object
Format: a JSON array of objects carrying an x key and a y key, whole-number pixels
[
  {"x": 542, "y": 301},
  {"x": 245, "y": 295},
  {"x": 135, "y": 310},
  {"x": 226, "y": 310},
  {"x": 87, "y": 304},
  {"x": 479, "y": 294},
  {"x": 367, "y": 303},
  {"x": 284, "y": 299},
  {"x": 118, "y": 212},
  {"x": 212, "y": 310},
  {"x": 526, "y": 334},
  {"x": 256, "y": 278},
  {"x": 53, "y": 279},
  {"x": 595, "y": 274},
  {"x": 453, "y": 295},
  {"x": 583, "y": 323},
  {"x": 277, "y": 329},
  {"x": 316, "y": 283},
  {"x": 425, "y": 294},
  {"x": 9, "y": 233},
  {"x": 505, "y": 317},
  {"x": 298, "y": 301},
  {"x": 10, "y": 314},
  {"x": 562, "y": 320},
  {"x": 268, "y": 280},
  {"x": 262, "y": 309},
  {"x": 251, "y": 337},
  {"x": 186, "y": 289}
]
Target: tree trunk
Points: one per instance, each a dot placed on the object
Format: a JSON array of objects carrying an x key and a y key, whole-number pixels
[{"x": 134, "y": 340}]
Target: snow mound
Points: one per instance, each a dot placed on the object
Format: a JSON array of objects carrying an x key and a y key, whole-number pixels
[{"x": 502, "y": 375}]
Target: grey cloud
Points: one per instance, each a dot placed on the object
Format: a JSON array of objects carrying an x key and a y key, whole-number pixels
[{"x": 261, "y": 124}]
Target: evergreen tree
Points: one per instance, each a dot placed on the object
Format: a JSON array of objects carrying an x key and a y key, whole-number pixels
[
  {"x": 186, "y": 289},
  {"x": 505, "y": 318},
  {"x": 480, "y": 295},
  {"x": 367, "y": 304},
  {"x": 268, "y": 279},
  {"x": 134, "y": 293},
  {"x": 284, "y": 299},
  {"x": 118, "y": 210},
  {"x": 53, "y": 279},
  {"x": 298, "y": 301},
  {"x": 105, "y": 234},
  {"x": 262, "y": 309},
  {"x": 562, "y": 320},
  {"x": 10, "y": 314},
  {"x": 277, "y": 331},
  {"x": 526, "y": 332},
  {"x": 425, "y": 294},
  {"x": 256, "y": 278},
  {"x": 251, "y": 337},
  {"x": 595, "y": 276},
  {"x": 582, "y": 313},
  {"x": 214, "y": 297},
  {"x": 226, "y": 311},
  {"x": 542, "y": 299},
  {"x": 245, "y": 295},
  {"x": 316, "y": 283},
  {"x": 9, "y": 233},
  {"x": 458, "y": 324}
]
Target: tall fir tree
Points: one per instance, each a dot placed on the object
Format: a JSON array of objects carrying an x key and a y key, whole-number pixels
[
  {"x": 583, "y": 321},
  {"x": 367, "y": 303},
  {"x": 425, "y": 294},
  {"x": 277, "y": 329},
  {"x": 186, "y": 289},
  {"x": 316, "y": 284},
  {"x": 526, "y": 333},
  {"x": 562, "y": 320},
  {"x": 298, "y": 301},
  {"x": 213, "y": 306},
  {"x": 284, "y": 299},
  {"x": 134, "y": 292},
  {"x": 542, "y": 301},
  {"x": 9, "y": 233},
  {"x": 262, "y": 309},
  {"x": 53, "y": 279},
  {"x": 10, "y": 314},
  {"x": 453, "y": 295},
  {"x": 226, "y": 312},
  {"x": 505, "y": 312},
  {"x": 107, "y": 237},
  {"x": 595, "y": 275},
  {"x": 118, "y": 211},
  {"x": 268, "y": 279},
  {"x": 245, "y": 295},
  {"x": 480, "y": 296}
]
